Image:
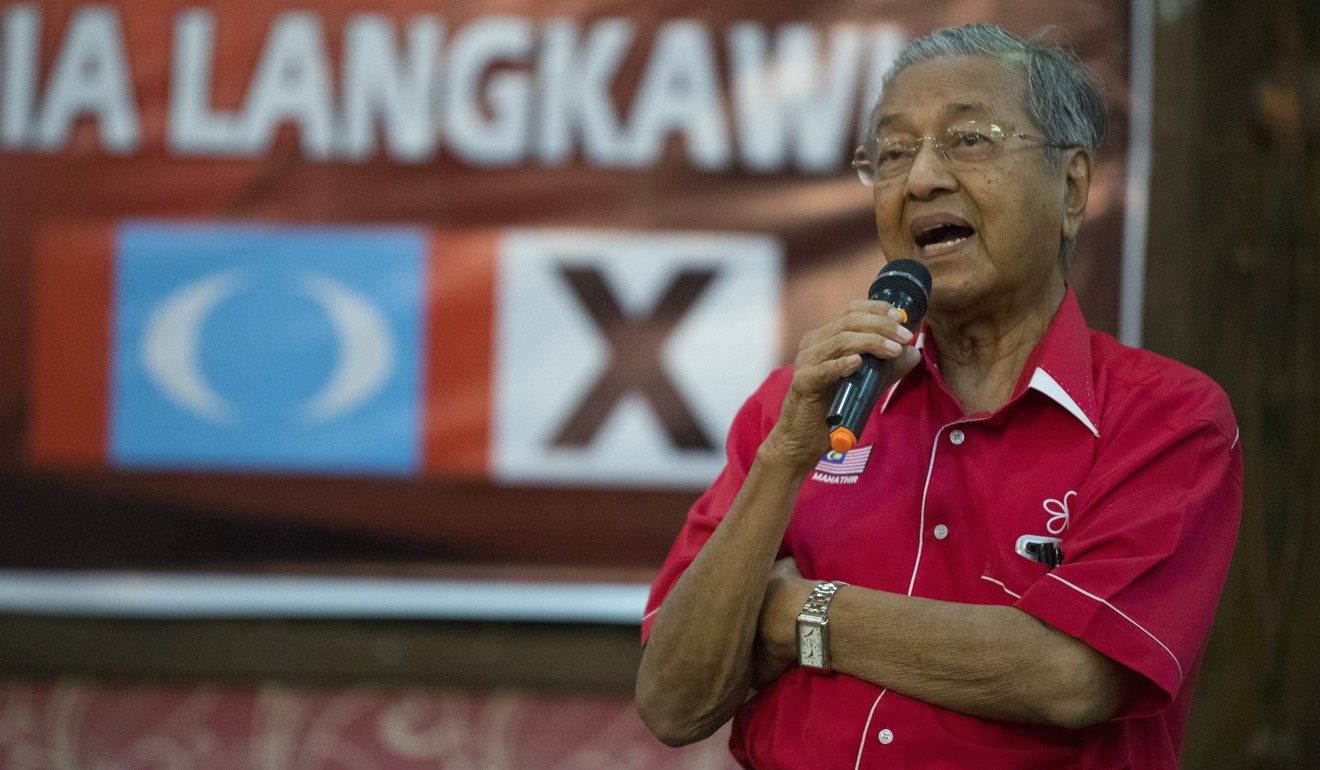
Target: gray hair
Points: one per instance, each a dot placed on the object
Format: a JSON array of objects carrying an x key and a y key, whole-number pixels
[{"x": 1062, "y": 98}]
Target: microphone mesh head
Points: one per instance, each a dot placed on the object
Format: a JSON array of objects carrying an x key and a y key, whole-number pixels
[{"x": 908, "y": 277}]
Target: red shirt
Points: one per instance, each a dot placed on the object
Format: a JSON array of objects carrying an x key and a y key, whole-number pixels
[{"x": 1130, "y": 459}]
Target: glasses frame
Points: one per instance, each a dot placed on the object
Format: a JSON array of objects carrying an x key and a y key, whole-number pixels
[{"x": 865, "y": 166}]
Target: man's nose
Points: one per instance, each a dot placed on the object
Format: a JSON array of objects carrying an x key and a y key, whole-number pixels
[{"x": 930, "y": 171}]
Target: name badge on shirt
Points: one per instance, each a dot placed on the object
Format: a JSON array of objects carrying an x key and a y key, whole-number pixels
[{"x": 842, "y": 467}]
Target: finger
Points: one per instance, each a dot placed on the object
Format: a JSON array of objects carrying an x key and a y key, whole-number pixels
[
  {"x": 863, "y": 316},
  {"x": 847, "y": 343},
  {"x": 902, "y": 365},
  {"x": 906, "y": 361},
  {"x": 870, "y": 321},
  {"x": 785, "y": 567},
  {"x": 879, "y": 307},
  {"x": 817, "y": 379}
]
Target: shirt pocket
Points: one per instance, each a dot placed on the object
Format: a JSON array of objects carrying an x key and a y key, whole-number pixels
[{"x": 1011, "y": 571}]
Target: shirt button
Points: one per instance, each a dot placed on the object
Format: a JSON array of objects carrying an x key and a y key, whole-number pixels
[
  {"x": 941, "y": 531},
  {"x": 957, "y": 437},
  {"x": 886, "y": 736}
]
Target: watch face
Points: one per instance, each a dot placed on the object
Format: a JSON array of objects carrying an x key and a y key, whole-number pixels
[{"x": 809, "y": 648}]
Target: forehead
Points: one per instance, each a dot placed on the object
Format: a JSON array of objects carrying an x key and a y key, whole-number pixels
[{"x": 937, "y": 91}]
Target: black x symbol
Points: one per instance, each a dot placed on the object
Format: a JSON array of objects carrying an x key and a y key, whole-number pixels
[{"x": 635, "y": 367}]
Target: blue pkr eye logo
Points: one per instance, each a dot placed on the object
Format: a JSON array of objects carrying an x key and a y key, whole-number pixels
[{"x": 267, "y": 348}]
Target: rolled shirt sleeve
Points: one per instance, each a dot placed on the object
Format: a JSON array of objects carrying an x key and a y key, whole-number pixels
[{"x": 1149, "y": 544}]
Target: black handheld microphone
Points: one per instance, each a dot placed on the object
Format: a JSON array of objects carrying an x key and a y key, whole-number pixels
[{"x": 904, "y": 284}]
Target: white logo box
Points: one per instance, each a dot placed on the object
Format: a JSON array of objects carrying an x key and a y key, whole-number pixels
[{"x": 551, "y": 352}]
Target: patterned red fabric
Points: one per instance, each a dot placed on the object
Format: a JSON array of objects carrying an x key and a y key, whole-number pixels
[{"x": 82, "y": 724}]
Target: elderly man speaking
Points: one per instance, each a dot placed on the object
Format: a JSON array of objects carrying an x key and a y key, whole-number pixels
[{"x": 1019, "y": 563}]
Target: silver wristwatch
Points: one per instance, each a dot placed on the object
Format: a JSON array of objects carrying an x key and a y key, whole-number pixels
[{"x": 813, "y": 634}]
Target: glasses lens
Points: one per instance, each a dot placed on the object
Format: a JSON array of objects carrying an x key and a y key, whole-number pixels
[
  {"x": 969, "y": 144},
  {"x": 862, "y": 165},
  {"x": 894, "y": 156}
]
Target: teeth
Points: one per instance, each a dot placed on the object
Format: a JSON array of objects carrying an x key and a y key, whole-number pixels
[{"x": 943, "y": 244}]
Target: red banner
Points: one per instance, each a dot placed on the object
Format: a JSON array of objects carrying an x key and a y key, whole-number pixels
[{"x": 315, "y": 286}]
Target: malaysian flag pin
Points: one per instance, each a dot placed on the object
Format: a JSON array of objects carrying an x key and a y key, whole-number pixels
[{"x": 850, "y": 463}]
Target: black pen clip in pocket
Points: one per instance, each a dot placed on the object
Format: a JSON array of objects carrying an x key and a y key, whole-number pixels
[{"x": 1041, "y": 548}]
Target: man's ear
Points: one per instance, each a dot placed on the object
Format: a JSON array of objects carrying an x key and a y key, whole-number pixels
[{"x": 1077, "y": 165}]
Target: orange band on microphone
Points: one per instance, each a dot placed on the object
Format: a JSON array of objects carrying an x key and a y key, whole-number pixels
[
  {"x": 904, "y": 312},
  {"x": 842, "y": 439}
]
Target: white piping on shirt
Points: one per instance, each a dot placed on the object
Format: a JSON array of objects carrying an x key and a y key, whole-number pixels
[
  {"x": 925, "y": 491},
  {"x": 921, "y": 523},
  {"x": 861, "y": 746},
  {"x": 1001, "y": 585},
  {"x": 888, "y": 395},
  {"x": 1126, "y": 617},
  {"x": 1236, "y": 436}
]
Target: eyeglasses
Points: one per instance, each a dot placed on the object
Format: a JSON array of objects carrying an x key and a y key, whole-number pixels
[{"x": 963, "y": 146}]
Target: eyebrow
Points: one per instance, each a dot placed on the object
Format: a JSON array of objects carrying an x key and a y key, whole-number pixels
[{"x": 955, "y": 109}]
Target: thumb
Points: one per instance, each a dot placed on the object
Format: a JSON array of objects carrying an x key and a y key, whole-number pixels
[{"x": 904, "y": 363}]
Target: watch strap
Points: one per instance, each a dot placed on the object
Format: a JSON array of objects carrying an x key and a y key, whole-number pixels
[{"x": 813, "y": 640}]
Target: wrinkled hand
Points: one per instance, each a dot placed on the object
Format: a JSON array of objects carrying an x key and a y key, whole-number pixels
[
  {"x": 824, "y": 356},
  {"x": 776, "y": 637}
]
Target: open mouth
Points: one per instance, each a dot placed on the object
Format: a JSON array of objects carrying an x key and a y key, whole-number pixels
[{"x": 948, "y": 234}]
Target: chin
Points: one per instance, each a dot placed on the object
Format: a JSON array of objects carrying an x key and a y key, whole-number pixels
[{"x": 950, "y": 297}]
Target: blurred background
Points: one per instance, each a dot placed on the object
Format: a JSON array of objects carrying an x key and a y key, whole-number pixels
[{"x": 361, "y": 359}]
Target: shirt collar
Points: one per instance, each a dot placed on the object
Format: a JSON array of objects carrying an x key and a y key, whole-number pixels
[
  {"x": 1060, "y": 365},
  {"x": 1062, "y": 360}
]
